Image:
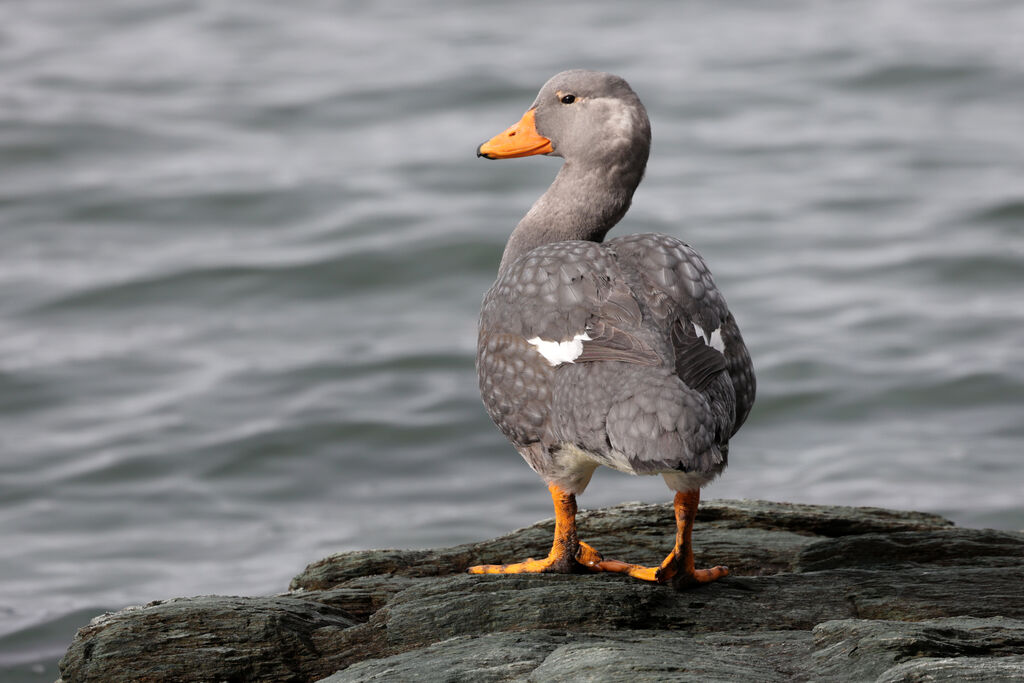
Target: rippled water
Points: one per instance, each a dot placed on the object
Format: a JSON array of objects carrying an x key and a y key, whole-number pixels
[{"x": 242, "y": 249}]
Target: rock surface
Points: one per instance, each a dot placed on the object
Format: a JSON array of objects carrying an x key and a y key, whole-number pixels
[{"x": 816, "y": 593}]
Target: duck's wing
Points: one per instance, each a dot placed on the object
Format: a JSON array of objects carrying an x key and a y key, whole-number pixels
[
  {"x": 677, "y": 288},
  {"x": 572, "y": 303},
  {"x": 565, "y": 303}
]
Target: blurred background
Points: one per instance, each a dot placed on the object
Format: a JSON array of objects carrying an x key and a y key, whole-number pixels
[{"x": 243, "y": 247}]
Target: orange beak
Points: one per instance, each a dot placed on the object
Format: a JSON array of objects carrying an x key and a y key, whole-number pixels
[{"x": 521, "y": 140}]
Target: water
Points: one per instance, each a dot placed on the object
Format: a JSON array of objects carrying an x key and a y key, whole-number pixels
[{"x": 243, "y": 246}]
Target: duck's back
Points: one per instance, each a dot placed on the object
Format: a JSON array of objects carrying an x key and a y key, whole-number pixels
[
  {"x": 624, "y": 351},
  {"x": 675, "y": 270}
]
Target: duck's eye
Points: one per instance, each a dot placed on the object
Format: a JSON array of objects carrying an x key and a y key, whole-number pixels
[{"x": 568, "y": 99}]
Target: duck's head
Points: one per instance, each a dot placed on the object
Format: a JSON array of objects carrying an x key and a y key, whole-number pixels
[{"x": 582, "y": 116}]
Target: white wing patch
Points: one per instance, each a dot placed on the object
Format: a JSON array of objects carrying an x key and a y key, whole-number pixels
[
  {"x": 558, "y": 352},
  {"x": 714, "y": 340}
]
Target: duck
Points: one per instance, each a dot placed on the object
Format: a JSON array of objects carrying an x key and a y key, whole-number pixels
[{"x": 619, "y": 353}]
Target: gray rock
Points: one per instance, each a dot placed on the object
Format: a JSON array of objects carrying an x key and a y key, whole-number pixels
[
  {"x": 856, "y": 649},
  {"x": 750, "y": 536},
  {"x": 544, "y": 655},
  {"x": 816, "y": 593},
  {"x": 821, "y": 520},
  {"x": 209, "y": 638},
  {"x": 957, "y": 670},
  {"x": 672, "y": 656},
  {"x": 485, "y": 658},
  {"x": 939, "y": 548}
]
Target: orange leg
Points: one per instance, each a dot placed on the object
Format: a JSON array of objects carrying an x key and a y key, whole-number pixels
[
  {"x": 677, "y": 569},
  {"x": 568, "y": 554}
]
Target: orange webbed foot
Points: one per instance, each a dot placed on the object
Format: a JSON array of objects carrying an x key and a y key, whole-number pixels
[
  {"x": 668, "y": 573},
  {"x": 586, "y": 559},
  {"x": 635, "y": 570},
  {"x": 677, "y": 569},
  {"x": 707, "y": 575},
  {"x": 568, "y": 555},
  {"x": 531, "y": 566}
]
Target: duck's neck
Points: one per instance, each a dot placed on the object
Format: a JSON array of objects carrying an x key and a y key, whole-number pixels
[{"x": 583, "y": 203}]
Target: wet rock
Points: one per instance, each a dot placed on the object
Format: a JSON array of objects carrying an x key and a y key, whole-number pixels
[
  {"x": 751, "y": 537},
  {"x": 545, "y": 655},
  {"x": 957, "y": 670},
  {"x": 821, "y": 520},
  {"x": 939, "y": 548},
  {"x": 864, "y": 650},
  {"x": 208, "y": 638},
  {"x": 816, "y": 593}
]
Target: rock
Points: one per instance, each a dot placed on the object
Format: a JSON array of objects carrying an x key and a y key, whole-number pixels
[
  {"x": 957, "y": 670},
  {"x": 864, "y": 650},
  {"x": 816, "y": 593},
  {"x": 942, "y": 548},
  {"x": 545, "y": 655},
  {"x": 209, "y": 638},
  {"x": 754, "y": 536}
]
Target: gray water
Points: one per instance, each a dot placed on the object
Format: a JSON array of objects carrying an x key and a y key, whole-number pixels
[{"x": 243, "y": 246}]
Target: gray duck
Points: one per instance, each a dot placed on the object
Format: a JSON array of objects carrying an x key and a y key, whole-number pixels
[{"x": 619, "y": 353}]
